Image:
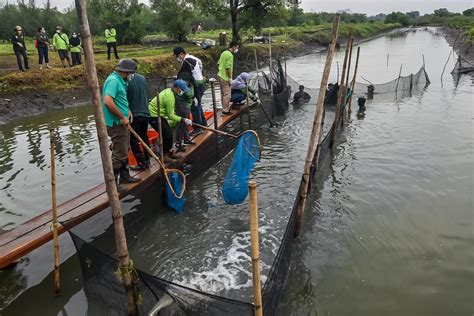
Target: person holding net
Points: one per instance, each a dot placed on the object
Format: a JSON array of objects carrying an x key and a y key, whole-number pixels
[{"x": 163, "y": 107}]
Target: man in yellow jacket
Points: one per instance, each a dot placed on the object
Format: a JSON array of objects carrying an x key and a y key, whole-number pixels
[
  {"x": 111, "y": 38},
  {"x": 61, "y": 44}
]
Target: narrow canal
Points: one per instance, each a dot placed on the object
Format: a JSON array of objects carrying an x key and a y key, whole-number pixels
[{"x": 389, "y": 231}]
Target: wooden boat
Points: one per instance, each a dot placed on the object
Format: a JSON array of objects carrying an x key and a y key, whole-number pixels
[{"x": 37, "y": 231}]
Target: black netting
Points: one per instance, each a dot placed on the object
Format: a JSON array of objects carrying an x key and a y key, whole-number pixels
[
  {"x": 462, "y": 66},
  {"x": 105, "y": 293}
]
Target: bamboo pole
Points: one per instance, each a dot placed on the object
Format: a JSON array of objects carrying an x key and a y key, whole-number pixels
[
  {"x": 256, "y": 69},
  {"x": 346, "y": 85},
  {"x": 160, "y": 130},
  {"x": 398, "y": 81},
  {"x": 317, "y": 127},
  {"x": 354, "y": 80},
  {"x": 271, "y": 63},
  {"x": 255, "y": 249},
  {"x": 57, "y": 279},
  {"x": 217, "y": 131},
  {"x": 341, "y": 90},
  {"x": 111, "y": 188},
  {"x": 214, "y": 105}
]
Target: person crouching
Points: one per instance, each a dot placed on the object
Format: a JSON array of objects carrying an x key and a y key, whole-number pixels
[
  {"x": 239, "y": 90},
  {"x": 117, "y": 118}
]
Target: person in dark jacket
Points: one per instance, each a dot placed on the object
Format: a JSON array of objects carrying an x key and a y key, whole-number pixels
[
  {"x": 43, "y": 42},
  {"x": 301, "y": 97},
  {"x": 75, "y": 43},
  {"x": 19, "y": 47},
  {"x": 137, "y": 95}
]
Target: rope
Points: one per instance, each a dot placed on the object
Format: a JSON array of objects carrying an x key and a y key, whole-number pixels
[
  {"x": 130, "y": 271},
  {"x": 165, "y": 170}
]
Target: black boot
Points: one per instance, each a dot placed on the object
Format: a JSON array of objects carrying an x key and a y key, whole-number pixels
[
  {"x": 120, "y": 189},
  {"x": 125, "y": 176}
]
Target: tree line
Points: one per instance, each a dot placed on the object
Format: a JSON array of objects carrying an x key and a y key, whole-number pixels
[{"x": 175, "y": 18}]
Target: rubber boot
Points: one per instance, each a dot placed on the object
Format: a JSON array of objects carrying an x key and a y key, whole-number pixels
[
  {"x": 125, "y": 176},
  {"x": 120, "y": 188}
]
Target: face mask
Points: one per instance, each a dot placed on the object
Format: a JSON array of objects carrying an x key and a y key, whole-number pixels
[
  {"x": 181, "y": 93},
  {"x": 130, "y": 77},
  {"x": 58, "y": 31},
  {"x": 74, "y": 35},
  {"x": 236, "y": 51},
  {"x": 179, "y": 60},
  {"x": 43, "y": 31}
]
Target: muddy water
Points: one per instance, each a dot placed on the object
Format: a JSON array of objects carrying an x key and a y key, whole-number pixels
[{"x": 390, "y": 232}]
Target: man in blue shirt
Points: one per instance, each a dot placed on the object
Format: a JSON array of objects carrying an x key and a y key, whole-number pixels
[{"x": 117, "y": 116}]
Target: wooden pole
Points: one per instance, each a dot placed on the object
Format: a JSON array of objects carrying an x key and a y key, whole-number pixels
[
  {"x": 217, "y": 131},
  {"x": 341, "y": 90},
  {"x": 214, "y": 105},
  {"x": 57, "y": 280},
  {"x": 271, "y": 63},
  {"x": 346, "y": 85},
  {"x": 255, "y": 249},
  {"x": 398, "y": 81},
  {"x": 256, "y": 69},
  {"x": 110, "y": 185},
  {"x": 317, "y": 127},
  {"x": 354, "y": 80}
]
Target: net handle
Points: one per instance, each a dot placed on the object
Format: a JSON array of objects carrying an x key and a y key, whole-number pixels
[{"x": 165, "y": 171}]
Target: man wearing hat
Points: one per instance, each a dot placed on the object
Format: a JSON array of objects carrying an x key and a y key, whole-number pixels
[
  {"x": 191, "y": 71},
  {"x": 61, "y": 44},
  {"x": 164, "y": 106},
  {"x": 111, "y": 38},
  {"x": 19, "y": 47},
  {"x": 117, "y": 115}
]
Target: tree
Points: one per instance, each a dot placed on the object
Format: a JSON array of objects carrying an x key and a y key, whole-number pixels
[
  {"x": 175, "y": 16},
  {"x": 442, "y": 12},
  {"x": 236, "y": 8},
  {"x": 397, "y": 17},
  {"x": 468, "y": 12}
]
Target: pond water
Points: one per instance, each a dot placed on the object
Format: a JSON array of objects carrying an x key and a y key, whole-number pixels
[{"x": 388, "y": 231}]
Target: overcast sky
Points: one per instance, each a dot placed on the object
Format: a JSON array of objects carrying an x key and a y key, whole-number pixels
[{"x": 370, "y": 7}]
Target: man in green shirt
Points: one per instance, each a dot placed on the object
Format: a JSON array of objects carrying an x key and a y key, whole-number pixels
[
  {"x": 137, "y": 95},
  {"x": 165, "y": 106},
  {"x": 111, "y": 38},
  {"x": 61, "y": 44},
  {"x": 117, "y": 116},
  {"x": 226, "y": 66}
]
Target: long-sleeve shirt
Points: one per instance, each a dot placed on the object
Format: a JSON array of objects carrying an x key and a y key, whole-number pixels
[
  {"x": 18, "y": 42},
  {"x": 60, "y": 41},
  {"x": 75, "y": 44},
  {"x": 43, "y": 39},
  {"x": 111, "y": 35},
  {"x": 167, "y": 104}
]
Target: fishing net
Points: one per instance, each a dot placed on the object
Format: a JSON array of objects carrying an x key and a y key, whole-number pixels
[
  {"x": 247, "y": 153},
  {"x": 404, "y": 83},
  {"x": 175, "y": 187},
  {"x": 105, "y": 293},
  {"x": 462, "y": 66}
]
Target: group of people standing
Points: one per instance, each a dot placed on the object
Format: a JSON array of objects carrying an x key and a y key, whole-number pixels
[
  {"x": 69, "y": 48},
  {"x": 126, "y": 104}
]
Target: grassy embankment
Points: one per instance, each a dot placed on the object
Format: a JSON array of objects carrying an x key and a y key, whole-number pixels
[{"x": 156, "y": 59}]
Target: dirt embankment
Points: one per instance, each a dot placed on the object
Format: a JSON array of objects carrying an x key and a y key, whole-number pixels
[
  {"x": 459, "y": 41},
  {"x": 55, "y": 89}
]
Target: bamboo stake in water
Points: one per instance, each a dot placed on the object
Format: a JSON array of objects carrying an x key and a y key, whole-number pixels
[
  {"x": 271, "y": 63},
  {"x": 398, "y": 81},
  {"x": 57, "y": 281},
  {"x": 354, "y": 80},
  {"x": 110, "y": 185},
  {"x": 214, "y": 105},
  {"x": 346, "y": 85},
  {"x": 316, "y": 132},
  {"x": 255, "y": 249}
]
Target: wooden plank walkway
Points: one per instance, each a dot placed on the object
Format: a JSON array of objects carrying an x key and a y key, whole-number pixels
[{"x": 37, "y": 231}]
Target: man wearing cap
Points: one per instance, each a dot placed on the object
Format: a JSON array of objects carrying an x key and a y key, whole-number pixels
[
  {"x": 164, "y": 106},
  {"x": 111, "y": 38},
  {"x": 61, "y": 44},
  {"x": 19, "y": 47},
  {"x": 226, "y": 66},
  {"x": 191, "y": 71},
  {"x": 117, "y": 115}
]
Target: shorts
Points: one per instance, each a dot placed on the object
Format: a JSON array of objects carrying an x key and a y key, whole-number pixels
[{"x": 63, "y": 54}]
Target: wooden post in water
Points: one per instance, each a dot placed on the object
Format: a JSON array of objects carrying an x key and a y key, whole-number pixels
[
  {"x": 214, "y": 106},
  {"x": 341, "y": 91},
  {"x": 255, "y": 249},
  {"x": 398, "y": 81},
  {"x": 346, "y": 85},
  {"x": 160, "y": 132},
  {"x": 317, "y": 127},
  {"x": 354, "y": 80},
  {"x": 57, "y": 281},
  {"x": 110, "y": 185},
  {"x": 271, "y": 63}
]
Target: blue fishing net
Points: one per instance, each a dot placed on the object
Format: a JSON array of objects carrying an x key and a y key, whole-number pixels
[
  {"x": 247, "y": 153},
  {"x": 174, "y": 201}
]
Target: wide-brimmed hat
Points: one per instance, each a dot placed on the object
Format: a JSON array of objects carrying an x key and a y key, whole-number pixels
[{"x": 126, "y": 65}]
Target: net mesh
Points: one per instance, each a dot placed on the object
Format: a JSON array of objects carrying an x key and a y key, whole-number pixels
[
  {"x": 175, "y": 197},
  {"x": 247, "y": 153},
  {"x": 462, "y": 66}
]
